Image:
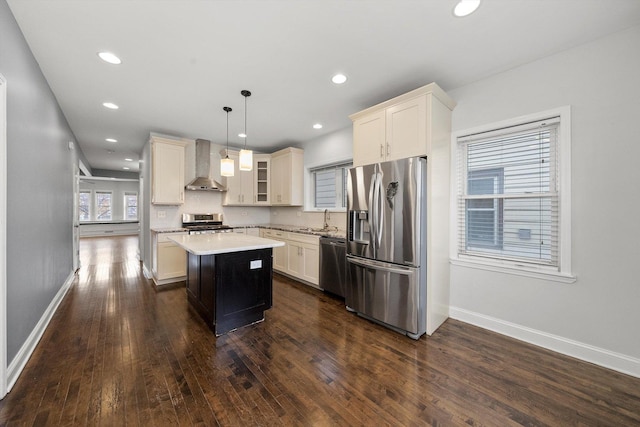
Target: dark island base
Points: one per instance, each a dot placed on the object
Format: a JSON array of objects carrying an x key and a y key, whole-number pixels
[{"x": 230, "y": 290}]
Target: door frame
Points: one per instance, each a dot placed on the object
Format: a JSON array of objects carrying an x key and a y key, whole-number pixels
[{"x": 3, "y": 236}]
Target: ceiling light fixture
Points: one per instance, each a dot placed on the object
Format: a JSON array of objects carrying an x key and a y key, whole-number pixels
[
  {"x": 110, "y": 58},
  {"x": 111, "y": 140},
  {"x": 339, "y": 79},
  {"x": 226, "y": 164},
  {"x": 465, "y": 7},
  {"x": 110, "y": 105},
  {"x": 246, "y": 156},
  {"x": 125, "y": 168},
  {"x": 317, "y": 126},
  {"x": 128, "y": 160}
]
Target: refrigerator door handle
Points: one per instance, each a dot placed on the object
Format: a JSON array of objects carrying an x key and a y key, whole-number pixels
[
  {"x": 372, "y": 214},
  {"x": 408, "y": 271},
  {"x": 380, "y": 208}
]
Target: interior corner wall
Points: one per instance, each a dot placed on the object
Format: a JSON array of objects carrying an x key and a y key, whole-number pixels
[
  {"x": 39, "y": 187},
  {"x": 599, "y": 80}
]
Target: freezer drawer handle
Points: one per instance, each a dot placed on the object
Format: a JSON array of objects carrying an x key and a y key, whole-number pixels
[{"x": 407, "y": 272}]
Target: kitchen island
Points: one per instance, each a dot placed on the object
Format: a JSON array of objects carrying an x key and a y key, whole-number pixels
[{"x": 229, "y": 278}]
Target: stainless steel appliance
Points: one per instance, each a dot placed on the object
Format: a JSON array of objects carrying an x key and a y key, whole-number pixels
[
  {"x": 206, "y": 223},
  {"x": 333, "y": 264},
  {"x": 386, "y": 241}
]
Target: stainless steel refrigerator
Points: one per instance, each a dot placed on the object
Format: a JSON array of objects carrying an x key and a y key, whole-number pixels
[{"x": 386, "y": 244}]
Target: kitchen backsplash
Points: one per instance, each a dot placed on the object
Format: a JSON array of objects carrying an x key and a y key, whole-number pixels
[
  {"x": 296, "y": 216},
  {"x": 205, "y": 202}
]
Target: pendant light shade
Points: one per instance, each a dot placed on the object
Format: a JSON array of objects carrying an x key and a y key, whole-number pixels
[
  {"x": 246, "y": 156},
  {"x": 227, "y": 165}
]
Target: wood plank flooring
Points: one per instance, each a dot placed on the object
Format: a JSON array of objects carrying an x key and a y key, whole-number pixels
[{"x": 119, "y": 353}]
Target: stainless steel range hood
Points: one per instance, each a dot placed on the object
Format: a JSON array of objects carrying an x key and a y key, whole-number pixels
[{"x": 203, "y": 181}]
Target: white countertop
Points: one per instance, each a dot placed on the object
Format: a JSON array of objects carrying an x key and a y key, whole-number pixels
[{"x": 220, "y": 243}]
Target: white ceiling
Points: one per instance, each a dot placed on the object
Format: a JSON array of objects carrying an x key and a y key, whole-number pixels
[{"x": 183, "y": 60}]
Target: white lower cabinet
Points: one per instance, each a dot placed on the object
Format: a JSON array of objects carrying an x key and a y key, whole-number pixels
[
  {"x": 299, "y": 257},
  {"x": 170, "y": 260}
]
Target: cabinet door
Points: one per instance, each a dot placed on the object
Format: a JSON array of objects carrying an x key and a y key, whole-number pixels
[
  {"x": 295, "y": 265},
  {"x": 278, "y": 177},
  {"x": 406, "y": 125},
  {"x": 262, "y": 181},
  {"x": 311, "y": 263},
  {"x": 167, "y": 173},
  {"x": 172, "y": 261},
  {"x": 369, "y": 143}
]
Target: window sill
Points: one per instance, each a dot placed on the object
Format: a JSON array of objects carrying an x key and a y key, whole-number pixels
[{"x": 518, "y": 270}]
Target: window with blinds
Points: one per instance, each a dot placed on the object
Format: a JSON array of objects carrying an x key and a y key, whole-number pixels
[
  {"x": 131, "y": 205},
  {"x": 84, "y": 205},
  {"x": 330, "y": 186},
  {"x": 508, "y": 193}
]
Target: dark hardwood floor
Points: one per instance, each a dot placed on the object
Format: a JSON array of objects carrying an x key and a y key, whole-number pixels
[{"x": 119, "y": 353}]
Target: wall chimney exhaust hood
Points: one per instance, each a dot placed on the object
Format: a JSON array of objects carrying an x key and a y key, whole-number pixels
[{"x": 203, "y": 181}]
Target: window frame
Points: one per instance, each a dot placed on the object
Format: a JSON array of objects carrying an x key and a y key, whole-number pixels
[
  {"x": 126, "y": 205},
  {"x": 340, "y": 198},
  {"x": 563, "y": 272},
  {"x": 89, "y": 206},
  {"x": 97, "y": 205}
]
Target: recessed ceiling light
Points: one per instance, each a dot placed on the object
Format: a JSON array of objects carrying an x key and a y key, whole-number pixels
[
  {"x": 125, "y": 168},
  {"x": 128, "y": 160},
  {"x": 339, "y": 79},
  {"x": 111, "y": 140},
  {"x": 317, "y": 126},
  {"x": 242, "y": 135},
  {"x": 110, "y": 105},
  {"x": 110, "y": 58},
  {"x": 465, "y": 7}
]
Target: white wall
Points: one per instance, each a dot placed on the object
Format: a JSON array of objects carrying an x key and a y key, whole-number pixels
[
  {"x": 334, "y": 147},
  {"x": 597, "y": 317}
]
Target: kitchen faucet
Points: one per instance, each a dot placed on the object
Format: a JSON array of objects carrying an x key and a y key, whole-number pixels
[{"x": 326, "y": 215}]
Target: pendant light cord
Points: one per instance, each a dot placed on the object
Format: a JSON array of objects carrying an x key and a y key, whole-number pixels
[
  {"x": 246, "y": 94},
  {"x": 227, "y": 109}
]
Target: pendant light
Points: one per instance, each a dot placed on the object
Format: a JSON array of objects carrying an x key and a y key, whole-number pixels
[
  {"x": 246, "y": 156},
  {"x": 226, "y": 164}
]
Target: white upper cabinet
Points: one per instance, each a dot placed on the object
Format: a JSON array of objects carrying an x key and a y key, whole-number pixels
[
  {"x": 240, "y": 185},
  {"x": 262, "y": 179},
  {"x": 287, "y": 177},
  {"x": 167, "y": 171},
  {"x": 401, "y": 127}
]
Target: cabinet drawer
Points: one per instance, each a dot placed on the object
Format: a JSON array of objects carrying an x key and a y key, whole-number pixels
[
  {"x": 275, "y": 234},
  {"x": 305, "y": 238},
  {"x": 164, "y": 237}
]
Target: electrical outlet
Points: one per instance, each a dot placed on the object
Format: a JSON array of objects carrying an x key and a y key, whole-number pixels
[{"x": 162, "y": 214}]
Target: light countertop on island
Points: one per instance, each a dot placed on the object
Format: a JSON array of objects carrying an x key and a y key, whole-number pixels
[{"x": 220, "y": 243}]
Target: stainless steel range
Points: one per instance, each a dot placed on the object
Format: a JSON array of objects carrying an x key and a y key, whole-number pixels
[{"x": 207, "y": 223}]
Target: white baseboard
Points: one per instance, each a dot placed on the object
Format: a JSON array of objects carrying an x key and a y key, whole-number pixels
[
  {"x": 19, "y": 362},
  {"x": 599, "y": 356}
]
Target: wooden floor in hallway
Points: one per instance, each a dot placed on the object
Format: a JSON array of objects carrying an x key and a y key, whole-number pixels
[{"x": 117, "y": 352}]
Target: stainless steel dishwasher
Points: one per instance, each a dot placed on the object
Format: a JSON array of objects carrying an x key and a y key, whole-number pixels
[{"x": 333, "y": 264}]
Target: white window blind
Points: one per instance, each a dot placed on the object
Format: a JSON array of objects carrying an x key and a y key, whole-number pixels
[
  {"x": 330, "y": 186},
  {"x": 508, "y": 192}
]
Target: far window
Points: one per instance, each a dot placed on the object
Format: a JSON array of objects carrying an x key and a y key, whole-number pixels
[
  {"x": 103, "y": 206},
  {"x": 330, "y": 186},
  {"x": 131, "y": 206},
  {"x": 84, "y": 205}
]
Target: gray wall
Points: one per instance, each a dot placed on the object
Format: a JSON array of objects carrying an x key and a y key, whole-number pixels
[
  {"x": 599, "y": 80},
  {"x": 39, "y": 187}
]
